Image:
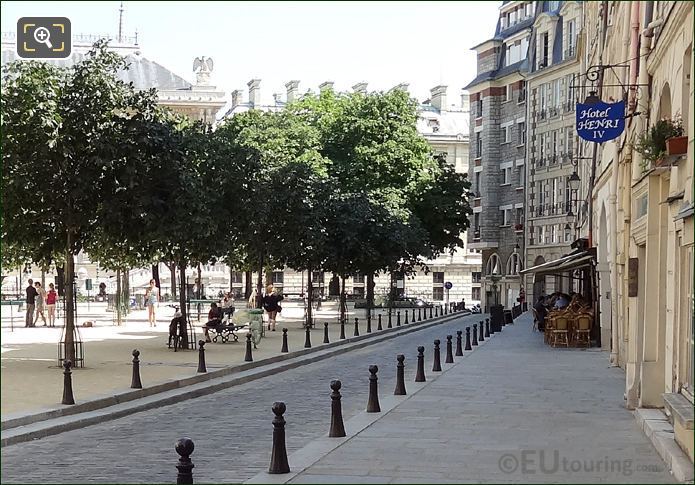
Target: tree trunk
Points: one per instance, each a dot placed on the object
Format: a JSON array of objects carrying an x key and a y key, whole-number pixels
[
  {"x": 69, "y": 352},
  {"x": 155, "y": 275},
  {"x": 119, "y": 295},
  {"x": 370, "y": 292},
  {"x": 309, "y": 299},
  {"x": 248, "y": 284},
  {"x": 125, "y": 288},
  {"x": 182, "y": 287},
  {"x": 231, "y": 280},
  {"x": 172, "y": 268},
  {"x": 200, "y": 284},
  {"x": 343, "y": 302},
  {"x": 259, "y": 285}
]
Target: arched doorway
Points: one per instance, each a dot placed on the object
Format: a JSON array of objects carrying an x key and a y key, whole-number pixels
[{"x": 538, "y": 281}]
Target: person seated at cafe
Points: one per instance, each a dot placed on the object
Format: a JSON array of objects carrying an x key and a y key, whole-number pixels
[
  {"x": 214, "y": 320},
  {"x": 561, "y": 302},
  {"x": 541, "y": 312}
]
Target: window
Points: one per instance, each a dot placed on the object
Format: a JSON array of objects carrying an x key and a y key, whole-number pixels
[
  {"x": 476, "y": 225},
  {"x": 571, "y": 39},
  {"x": 522, "y": 92},
  {"x": 506, "y": 134},
  {"x": 236, "y": 277},
  {"x": 514, "y": 264},
  {"x": 479, "y": 108},
  {"x": 358, "y": 278},
  {"x": 438, "y": 293},
  {"x": 553, "y": 234},
  {"x": 438, "y": 277},
  {"x": 553, "y": 5},
  {"x": 478, "y": 145},
  {"x": 543, "y": 96},
  {"x": 529, "y": 9},
  {"x": 475, "y": 293},
  {"x": 506, "y": 175},
  {"x": 546, "y": 232},
  {"x": 278, "y": 278},
  {"x": 689, "y": 305},
  {"x": 539, "y": 231},
  {"x": 317, "y": 277},
  {"x": 506, "y": 217},
  {"x": 543, "y": 51},
  {"x": 477, "y": 184},
  {"x": 493, "y": 265},
  {"x": 358, "y": 291},
  {"x": 519, "y": 219},
  {"x": 521, "y": 133},
  {"x": 508, "y": 92},
  {"x": 477, "y": 276},
  {"x": 557, "y": 92},
  {"x": 522, "y": 176},
  {"x": 555, "y": 146}
]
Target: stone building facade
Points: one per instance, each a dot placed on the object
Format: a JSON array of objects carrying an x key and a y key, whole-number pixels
[{"x": 498, "y": 97}]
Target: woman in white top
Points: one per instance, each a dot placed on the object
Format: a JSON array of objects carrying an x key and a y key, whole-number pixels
[
  {"x": 152, "y": 301},
  {"x": 40, "y": 299}
]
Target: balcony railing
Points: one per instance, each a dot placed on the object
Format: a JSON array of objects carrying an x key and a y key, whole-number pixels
[
  {"x": 543, "y": 210},
  {"x": 541, "y": 114}
]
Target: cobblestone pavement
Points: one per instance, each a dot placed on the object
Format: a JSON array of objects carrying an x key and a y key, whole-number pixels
[{"x": 231, "y": 429}]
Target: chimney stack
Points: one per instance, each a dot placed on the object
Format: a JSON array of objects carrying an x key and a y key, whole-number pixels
[
  {"x": 360, "y": 88},
  {"x": 292, "y": 88},
  {"x": 401, "y": 86},
  {"x": 439, "y": 97},
  {"x": 465, "y": 101},
  {"x": 328, "y": 85},
  {"x": 254, "y": 92},
  {"x": 236, "y": 98}
]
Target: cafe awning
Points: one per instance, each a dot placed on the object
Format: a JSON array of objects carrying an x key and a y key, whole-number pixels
[{"x": 575, "y": 260}]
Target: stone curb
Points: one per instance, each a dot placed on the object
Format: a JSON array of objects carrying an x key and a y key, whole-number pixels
[
  {"x": 34, "y": 426},
  {"x": 310, "y": 454}
]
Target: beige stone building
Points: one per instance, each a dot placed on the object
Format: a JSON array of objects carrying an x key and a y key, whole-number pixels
[{"x": 642, "y": 210}]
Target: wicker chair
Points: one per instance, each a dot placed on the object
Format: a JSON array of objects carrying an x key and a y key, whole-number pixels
[
  {"x": 560, "y": 330},
  {"x": 582, "y": 329}
]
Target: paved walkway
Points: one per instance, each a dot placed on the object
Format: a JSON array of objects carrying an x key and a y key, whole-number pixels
[
  {"x": 516, "y": 411},
  {"x": 32, "y": 380}
]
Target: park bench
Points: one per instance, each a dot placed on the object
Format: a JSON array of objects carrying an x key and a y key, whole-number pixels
[{"x": 225, "y": 332}]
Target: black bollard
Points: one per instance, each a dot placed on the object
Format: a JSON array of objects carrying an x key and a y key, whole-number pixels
[
  {"x": 369, "y": 322},
  {"x": 248, "y": 357},
  {"x": 284, "y": 341},
  {"x": 325, "y": 333},
  {"x": 135, "y": 382},
  {"x": 430, "y": 312},
  {"x": 420, "y": 373},
  {"x": 475, "y": 335},
  {"x": 436, "y": 311},
  {"x": 278, "y": 458},
  {"x": 201, "y": 357},
  {"x": 373, "y": 402},
  {"x": 487, "y": 329},
  {"x": 437, "y": 365},
  {"x": 449, "y": 351},
  {"x": 307, "y": 337},
  {"x": 400, "y": 376},
  {"x": 419, "y": 314},
  {"x": 468, "y": 339},
  {"x": 492, "y": 327},
  {"x": 184, "y": 447},
  {"x": 459, "y": 341},
  {"x": 356, "y": 333},
  {"x": 389, "y": 324},
  {"x": 342, "y": 330},
  {"x": 446, "y": 310},
  {"x": 406, "y": 317},
  {"x": 337, "y": 428},
  {"x": 481, "y": 333},
  {"x": 378, "y": 324},
  {"x": 398, "y": 318},
  {"x": 68, "y": 398},
  {"x": 414, "y": 315}
]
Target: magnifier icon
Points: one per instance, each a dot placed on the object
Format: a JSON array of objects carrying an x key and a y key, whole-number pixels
[{"x": 43, "y": 36}]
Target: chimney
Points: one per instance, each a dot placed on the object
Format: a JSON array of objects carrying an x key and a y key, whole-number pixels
[
  {"x": 465, "y": 101},
  {"x": 292, "y": 88},
  {"x": 360, "y": 88},
  {"x": 401, "y": 86},
  {"x": 254, "y": 92},
  {"x": 236, "y": 98},
  {"x": 328, "y": 85},
  {"x": 439, "y": 97}
]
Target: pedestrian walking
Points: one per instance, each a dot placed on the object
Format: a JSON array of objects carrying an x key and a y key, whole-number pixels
[
  {"x": 40, "y": 299},
  {"x": 152, "y": 301},
  {"x": 271, "y": 304},
  {"x": 51, "y": 299},
  {"x": 30, "y": 301}
]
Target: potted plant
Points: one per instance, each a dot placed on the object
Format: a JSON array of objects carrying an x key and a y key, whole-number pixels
[
  {"x": 654, "y": 143},
  {"x": 518, "y": 227}
]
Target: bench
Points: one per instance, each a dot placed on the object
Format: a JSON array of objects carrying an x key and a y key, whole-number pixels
[{"x": 224, "y": 332}]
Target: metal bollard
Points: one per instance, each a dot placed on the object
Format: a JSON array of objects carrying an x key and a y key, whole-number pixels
[
  {"x": 369, "y": 321},
  {"x": 446, "y": 308},
  {"x": 389, "y": 324},
  {"x": 373, "y": 402},
  {"x": 68, "y": 398},
  {"x": 468, "y": 339},
  {"x": 475, "y": 335},
  {"x": 337, "y": 427},
  {"x": 135, "y": 382},
  {"x": 449, "y": 351},
  {"x": 437, "y": 365},
  {"x": 278, "y": 458},
  {"x": 248, "y": 357},
  {"x": 398, "y": 318},
  {"x": 419, "y": 314},
  {"x": 307, "y": 337},
  {"x": 378, "y": 324},
  {"x": 436, "y": 311},
  {"x": 356, "y": 333},
  {"x": 184, "y": 447},
  {"x": 420, "y": 373},
  {"x": 414, "y": 315},
  {"x": 406, "y": 317},
  {"x": 400, "y": 376},
  {"x": 325, "y": 333},
  {"x": 201, "y": 357},
  {"x": 481, "y": 333},
  {"x": 492, "y": 327},
  {"x": 430, "y": 312},
  {"x": 284, "y": 341},
  {"x": 459, "y": 341},
  {"x": 342, "y": 330},
  {"x": 487, "y": 329}
]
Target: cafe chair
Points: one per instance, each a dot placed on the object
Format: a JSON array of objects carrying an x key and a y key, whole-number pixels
[
  {"x": 560, "y": 331},
  {"x": 583, "y": 329}
]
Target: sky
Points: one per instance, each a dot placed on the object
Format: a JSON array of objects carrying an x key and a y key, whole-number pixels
[{"x": 382, "y": 43}]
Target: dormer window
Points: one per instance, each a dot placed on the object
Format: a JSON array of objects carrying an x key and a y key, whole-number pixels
[
  {"x": 571, "y": 41},
  {"x": 544, "y": 51}
]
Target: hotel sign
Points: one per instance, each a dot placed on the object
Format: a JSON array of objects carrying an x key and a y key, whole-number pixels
[{"x": 601, "y": 121}]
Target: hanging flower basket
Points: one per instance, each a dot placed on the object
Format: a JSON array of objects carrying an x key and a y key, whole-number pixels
[{"x": 678, "y": 145}]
